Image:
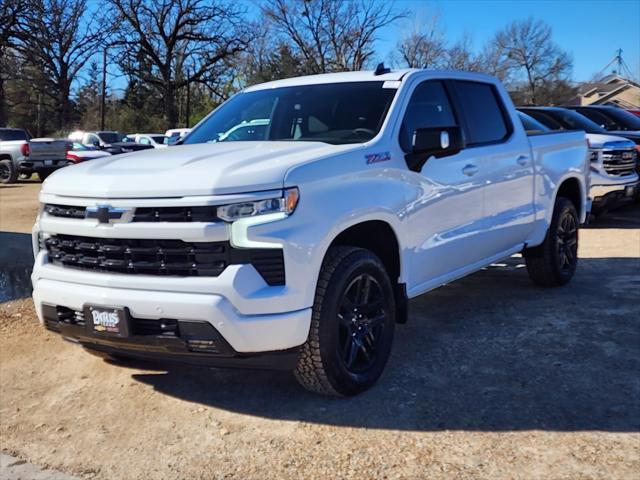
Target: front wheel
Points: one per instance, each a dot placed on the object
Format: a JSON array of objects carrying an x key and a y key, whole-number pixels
[
  {"x": 554, "y": 262},
  {"x": 352, "y": 324}
]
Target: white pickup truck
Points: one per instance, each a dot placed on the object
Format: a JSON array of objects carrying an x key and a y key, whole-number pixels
[{"x": 300, "y": 248}]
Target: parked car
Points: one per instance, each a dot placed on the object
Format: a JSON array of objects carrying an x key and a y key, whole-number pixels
[
  {"x": 612, "y": 119},
  {"x": 175, "y": 134},
  {"x": 81, "y": 153},
  {"x": 246, "y": 131},
  {"x": 301, "y": 248},
  {"x": 99, "y": 139},
  {"x": 614, "y": 160},
  {"x": 156, "y": 140},
  {"x": 22, "y": 155},
  {"x": 111, "y": 142}
]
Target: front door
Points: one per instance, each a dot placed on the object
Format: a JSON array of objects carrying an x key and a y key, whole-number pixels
[{"x": 445, "y": 208}]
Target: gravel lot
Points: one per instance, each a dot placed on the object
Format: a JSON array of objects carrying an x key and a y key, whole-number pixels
[{"x": 491, "y": 378}]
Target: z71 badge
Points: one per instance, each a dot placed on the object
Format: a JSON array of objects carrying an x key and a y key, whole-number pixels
[{"x": 378, "y": 157}]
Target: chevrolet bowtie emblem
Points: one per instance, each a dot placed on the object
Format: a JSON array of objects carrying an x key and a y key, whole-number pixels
[{"x": 104, "y": 213}]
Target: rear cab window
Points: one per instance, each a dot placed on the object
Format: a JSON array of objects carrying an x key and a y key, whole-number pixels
[
  {"x": 483, "y": 115},
  {"x": 11, "y": 135}
]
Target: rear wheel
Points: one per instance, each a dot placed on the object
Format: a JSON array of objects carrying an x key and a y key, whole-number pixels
[
  {"x": 352, "y": 324},
  {"x": 43, "y": 174},
  {"x": 8, "y": 173},
  {"x": 554, "y": 262}
]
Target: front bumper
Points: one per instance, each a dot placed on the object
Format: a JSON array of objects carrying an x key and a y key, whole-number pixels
[
  {"x": 611, "y": 194},
  {"x": 245, "y": 334},
  {"x": 196, "y": 343}
]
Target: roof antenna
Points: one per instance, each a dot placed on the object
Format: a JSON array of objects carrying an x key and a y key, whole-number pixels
[{"x": 381, "y": 69}]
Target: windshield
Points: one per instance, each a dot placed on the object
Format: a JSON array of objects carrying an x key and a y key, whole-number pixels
[
  {"x": 12, "y": 135},
  {"x": 561, "y": 119},
  {"x": 110, "y": 137},
  {"x": 624, "y": 119},
  {"x": 530, "y": 124},
  {"x": 336, "y": 113}
]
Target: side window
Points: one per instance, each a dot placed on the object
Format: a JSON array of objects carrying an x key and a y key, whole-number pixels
[
  {"x": 145, "y": 141},
  {"x": 429, "y": 107},
  {"x": 484, "y": 117},
  {"x": 602, "y": 120}
]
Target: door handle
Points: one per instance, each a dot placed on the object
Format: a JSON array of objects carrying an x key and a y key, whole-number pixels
[
  {"x": 470, "y": 170},
  {"x": 523, "y": 160}
]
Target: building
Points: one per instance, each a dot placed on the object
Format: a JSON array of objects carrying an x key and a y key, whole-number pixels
[{"x": 611, "y": 90}]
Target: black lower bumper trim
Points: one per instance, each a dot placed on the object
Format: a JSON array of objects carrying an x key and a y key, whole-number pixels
[{"x": 190, "y": 342}]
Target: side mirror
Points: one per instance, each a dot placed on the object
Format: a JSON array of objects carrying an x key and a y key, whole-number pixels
[{"x": 433, "y": 142}]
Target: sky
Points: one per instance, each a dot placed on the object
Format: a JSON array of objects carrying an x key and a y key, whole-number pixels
[{"x": 590, "y": 30}]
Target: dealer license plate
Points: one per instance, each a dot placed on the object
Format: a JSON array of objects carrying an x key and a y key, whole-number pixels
[{"x": 111, "y": 321}]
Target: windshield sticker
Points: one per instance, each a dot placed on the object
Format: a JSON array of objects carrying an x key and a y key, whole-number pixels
[{"x": 378, "y": 157}]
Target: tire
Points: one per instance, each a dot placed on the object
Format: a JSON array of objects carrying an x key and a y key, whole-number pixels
[
  {"x": 554, "y": 262},
  {"x": 43, "y": 174},
  {"x": 346, "y": 354},
  {"x": 8, "y": 172}
]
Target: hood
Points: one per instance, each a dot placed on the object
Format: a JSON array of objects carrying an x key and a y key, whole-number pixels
[
  {"x": 189, "y": 170},
  {"x": 631, "y": 135},
  {"x": 597, "y": 140}
]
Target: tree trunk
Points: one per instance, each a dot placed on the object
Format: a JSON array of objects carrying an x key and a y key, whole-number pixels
[
  {"x": 3, "y": 104},
  {"x": 170, "y": 111}
]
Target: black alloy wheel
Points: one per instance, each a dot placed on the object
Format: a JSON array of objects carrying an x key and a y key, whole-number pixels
[{"x": 362, "y": 321}]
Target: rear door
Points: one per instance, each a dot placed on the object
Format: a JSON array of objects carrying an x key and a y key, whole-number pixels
[
  {"x": 501, "y": 153},
  {"x": 444, "y": 214}
]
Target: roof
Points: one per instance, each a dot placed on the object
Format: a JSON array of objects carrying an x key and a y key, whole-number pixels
[{"x": 341, "y": 77}]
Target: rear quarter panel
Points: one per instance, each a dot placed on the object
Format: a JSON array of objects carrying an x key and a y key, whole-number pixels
[{"x": 557, "y": 158}]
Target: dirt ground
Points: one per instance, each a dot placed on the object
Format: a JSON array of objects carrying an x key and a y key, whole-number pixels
[{"x": 491, "y": 378}]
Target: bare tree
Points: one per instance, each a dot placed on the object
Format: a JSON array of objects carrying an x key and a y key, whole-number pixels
[
  {"x": 460, "y": 56},
  {"x": 12, "y": 12},
  {"x": 424, "y": 47},
  {"x": 59, "y": 37},
  {"x": 172, "y": 43},
  {"x": 527, "y": 49},
  {"x": 331, "y": 35}
]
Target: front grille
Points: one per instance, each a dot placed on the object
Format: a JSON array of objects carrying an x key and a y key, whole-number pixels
[
  {"x": 161, "y": 257},
  {"x": 64, "y": 211},
  {"x": 175, "y": 214},
  {"x": 150, "y": 257},
  {"x": 619, "y": 163}
]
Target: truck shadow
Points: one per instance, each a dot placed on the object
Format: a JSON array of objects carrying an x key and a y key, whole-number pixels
[
  {"x": 488, "y": 353},
  {"x": 16, "y": 263}
]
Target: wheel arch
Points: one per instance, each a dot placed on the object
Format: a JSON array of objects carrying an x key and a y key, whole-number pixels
[
  {"x": 572, "y": 189},
  {"x": 379, "y": 237}
]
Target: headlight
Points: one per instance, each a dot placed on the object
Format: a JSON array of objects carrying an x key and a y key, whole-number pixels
[{"x": 286, "y": 203}]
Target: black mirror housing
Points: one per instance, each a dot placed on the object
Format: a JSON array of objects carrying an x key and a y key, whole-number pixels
[{"x": 433, "y": 142}]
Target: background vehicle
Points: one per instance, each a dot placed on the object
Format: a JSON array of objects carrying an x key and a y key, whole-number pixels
[
  {"x": 175, "y": 134},
  {"x": 301, "y": 248},
  {"x": 110, "y": 142},
  {"x": 80, "y": 153},
  {"x": 156, "y": 140},
  {"x": 21, "y": 155},
  {"x": 99, "y": 139},
  {"x": 614, "y": 160},
  {"x": 246, "y": 131},
  {"x": 612, "y": 119}
]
